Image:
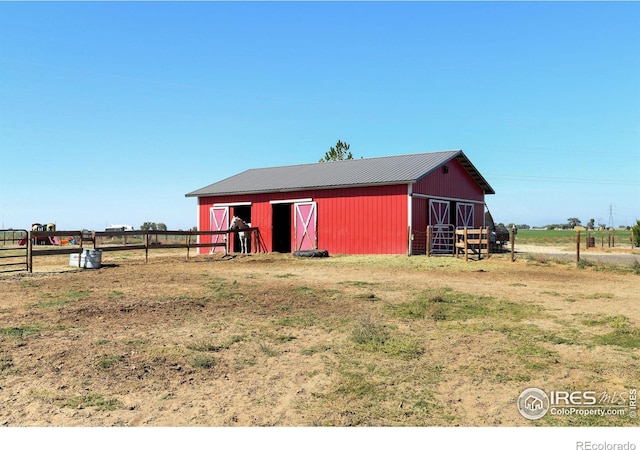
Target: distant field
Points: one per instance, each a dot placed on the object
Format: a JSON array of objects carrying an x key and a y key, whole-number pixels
[{"x": 566, "y": 237}]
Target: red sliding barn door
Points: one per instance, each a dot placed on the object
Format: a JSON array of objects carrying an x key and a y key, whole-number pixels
[
  {"x": 219, "y": 222},
  {"x": 306, "y": 225}
]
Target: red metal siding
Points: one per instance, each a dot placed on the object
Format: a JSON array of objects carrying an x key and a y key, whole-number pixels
[
  {"x": 366, "y": 220},
  {"x": 457, "y": 183},
  {"x": 363, "y": 220}
]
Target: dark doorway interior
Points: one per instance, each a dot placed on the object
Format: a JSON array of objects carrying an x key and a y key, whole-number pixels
[
  {"x": 281, "y": 228},
  {"x": 244, "y": 212}
]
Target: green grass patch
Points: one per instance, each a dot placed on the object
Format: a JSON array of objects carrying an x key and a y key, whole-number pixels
[
  {"x": 357, "y": 386},
  {"x": 369, "y": 333},
  {"x": 108, "y": 361},
  {"x": 568, "y": 237},
  {"x": 77, "y": 295},
  {"x": 551, "y": 293},
  {"x": 570, "y": 336},
  {"x": 598, "y": 295},
  {"x": 58, "y": 304},
  {"x": 21, "y": 332},
  {"x": 377, "y": 338},
  {"x": 268, "y": 350},
  {"x": 222, "y": 289},
  {"x": 359, "y": 283},
  {"x": 59, "y": 301},
  {"x": 448, "y": 305},
  {"x": 307, "y": 292},
  {"x": 202, "y": 361},
  {"x": 91, "y": 400},
  {"x": 531, "y": 350},
  {"x": 88, "y": 400},
  {"x": 618, "y": 321},
  {"x": 284, "y": 275},
  {"x": 137, "y": 342},
  {"x": 622, "y": 337},
  {"x": 302, "y": 320},
  {"x": 282, "y": 338},
  {"x": 209, "y": 346},
  {"x": 315, "y": 349}
]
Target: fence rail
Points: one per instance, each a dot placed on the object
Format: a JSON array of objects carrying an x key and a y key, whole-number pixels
[
  {"x": 31, "y": 244},
  {"x": 472, "y": 241}
]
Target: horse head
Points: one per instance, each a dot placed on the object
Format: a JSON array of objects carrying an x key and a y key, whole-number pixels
[{"x": 237, "y": 223}]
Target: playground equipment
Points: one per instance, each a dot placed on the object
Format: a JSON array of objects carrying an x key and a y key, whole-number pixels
[{"x": 47, "y": 240}]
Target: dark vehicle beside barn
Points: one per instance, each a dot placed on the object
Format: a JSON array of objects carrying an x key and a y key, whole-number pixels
[{"x": 499, "y": 234}]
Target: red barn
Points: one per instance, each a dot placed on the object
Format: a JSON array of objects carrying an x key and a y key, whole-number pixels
[{"x": 358, "y": 206}]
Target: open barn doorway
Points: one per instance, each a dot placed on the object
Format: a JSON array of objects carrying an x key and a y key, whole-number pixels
[
  {"x": 244, "y": 212},
  {"x": 281, "y": 232}
]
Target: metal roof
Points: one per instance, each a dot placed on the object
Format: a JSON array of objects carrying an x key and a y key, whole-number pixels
[{"x": 387, "y": 170}]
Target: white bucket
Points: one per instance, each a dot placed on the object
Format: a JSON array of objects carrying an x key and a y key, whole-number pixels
[{"x": 90, "y": 259}]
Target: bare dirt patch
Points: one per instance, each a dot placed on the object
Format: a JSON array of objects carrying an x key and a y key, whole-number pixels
[{"x": 265, "y": 340}]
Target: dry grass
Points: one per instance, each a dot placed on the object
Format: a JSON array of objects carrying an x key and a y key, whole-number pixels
[{"x": 343, "y": 341}]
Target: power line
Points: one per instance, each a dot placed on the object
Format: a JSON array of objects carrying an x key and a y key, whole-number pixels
[{"x": 562, "y": 179}]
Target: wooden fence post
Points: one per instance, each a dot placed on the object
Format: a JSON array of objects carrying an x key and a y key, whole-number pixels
[
  {"x": 466, "y": 245},
  {"x": 613, "y": 239},
  {"x": 488, "y": 242},
  {"x": 146, "y": 246},
  {"x": 428, "y": 243},
  {"x": 512, "y": 241},
  {"x": 578, "y": 247},
  {"x": 29, "y": 252}
]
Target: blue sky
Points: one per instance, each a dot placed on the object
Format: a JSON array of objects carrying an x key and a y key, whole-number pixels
[{"x": 110, "y": 112}]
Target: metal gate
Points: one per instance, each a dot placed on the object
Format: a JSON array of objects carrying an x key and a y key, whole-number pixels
[
  {"x": 14, "y": 248},
  {"x": 441, "y": 239},
  {"x": 442, "y": 232}
]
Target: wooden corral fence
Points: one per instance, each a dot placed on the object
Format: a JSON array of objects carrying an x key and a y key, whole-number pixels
[
  {"x": 435, "y": 240},
  {"x": 472, "y": 242},
  {"x": 76, "y": 242},
  {"x": 445, "y": 239}
]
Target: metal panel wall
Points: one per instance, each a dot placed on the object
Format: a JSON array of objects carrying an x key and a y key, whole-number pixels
[
  {"x": 367, "y": 220},
  {"x": 452, "y": 183},
  {"x": 455, "y": 183}
]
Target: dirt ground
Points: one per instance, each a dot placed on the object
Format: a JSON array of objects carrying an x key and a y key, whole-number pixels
[{"x": 264, "y": 340}]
